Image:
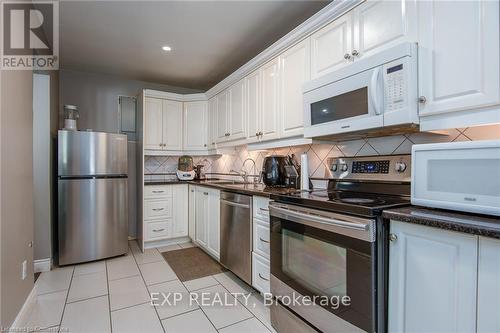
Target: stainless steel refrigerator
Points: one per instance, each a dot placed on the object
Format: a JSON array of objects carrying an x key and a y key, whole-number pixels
[{"x": 92, "y": 196}]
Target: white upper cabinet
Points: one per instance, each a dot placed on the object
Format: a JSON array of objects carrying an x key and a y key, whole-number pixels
[
  {"x": 153, "y": 124},
  {"x": 432, "y": 279},
  {"x": 458, "y": 55},
  {"x": 195, "y": 125},
  {"x": 162, "y": 124},
  {"x": 254, "y": 109},
  {"x": 212, "y": 122},
  {"x": 270, "y": 100},
  {"x": 222, "y": 116},
  {"x": 172, "y": 125},
  {"x": 294, "y": 71},
  {"x": 331, "y": 45},
  {"x": 237, "y": 112},
  {"x": 488, "y": 293},
  {"x": 366, "y": 30},
  {"x": 379, "y": 25}
]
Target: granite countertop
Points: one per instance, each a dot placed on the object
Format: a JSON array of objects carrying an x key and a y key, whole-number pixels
[
  {"x": 250, "y": 189},
  {"x": 439, "y": 218}
]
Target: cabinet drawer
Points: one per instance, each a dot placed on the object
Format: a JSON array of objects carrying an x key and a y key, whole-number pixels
[
  {"x": 157, "y": 209},
  {"x": 261, "y": 273},
  {"x": 157, "y": 191},
  {"x": 159, "y": 230},
  {"x": 261, "y": 237},
  {"x": 261, "y": 208}
]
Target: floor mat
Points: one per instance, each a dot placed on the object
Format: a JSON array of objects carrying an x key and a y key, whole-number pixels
[{"x": 192, "y": 263}]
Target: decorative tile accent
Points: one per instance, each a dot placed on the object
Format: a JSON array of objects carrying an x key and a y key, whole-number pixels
[{"x": 319, "y": 153}]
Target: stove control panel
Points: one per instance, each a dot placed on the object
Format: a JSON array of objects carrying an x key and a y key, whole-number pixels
[{"x": 390, "y": 168}]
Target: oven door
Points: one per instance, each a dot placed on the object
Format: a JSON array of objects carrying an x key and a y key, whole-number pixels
[
  {"x": 353, "y": 103},
  {"x": 324, "y": 256}
]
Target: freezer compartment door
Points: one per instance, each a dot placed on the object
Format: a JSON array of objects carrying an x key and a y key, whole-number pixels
[
  {"x": 93, "y": 219},
  {"x": 91, "y": 153}
]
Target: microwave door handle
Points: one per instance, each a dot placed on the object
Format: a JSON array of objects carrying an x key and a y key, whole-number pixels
[{"x": 373, "y": 91}]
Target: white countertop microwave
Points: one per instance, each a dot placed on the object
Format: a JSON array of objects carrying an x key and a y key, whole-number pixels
[
  {"x": 371, "y": 93},
  {"x": 463, "y": 176}
]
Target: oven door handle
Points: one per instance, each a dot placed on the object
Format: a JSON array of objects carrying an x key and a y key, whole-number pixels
[{"x": 320, "y": 219}]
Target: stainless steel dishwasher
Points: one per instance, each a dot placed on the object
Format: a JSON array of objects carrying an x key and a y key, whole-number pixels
[{"x": 236, "y": 234}]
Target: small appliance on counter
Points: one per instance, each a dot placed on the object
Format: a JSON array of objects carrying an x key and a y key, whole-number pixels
[
  {"x": 71, "y": 116},
  {"x": 273, "y": 170},
  {"x": 199, "y": 174},
  {"x": 185, "y": 168},
  {"x": 462, "y": 176}
]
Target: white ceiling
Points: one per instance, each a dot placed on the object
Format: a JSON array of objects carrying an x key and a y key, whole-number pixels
[{"x": 210, "y": 39}]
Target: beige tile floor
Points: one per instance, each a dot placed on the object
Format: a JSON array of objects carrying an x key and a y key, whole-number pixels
[{"x": 114, "y": 296}]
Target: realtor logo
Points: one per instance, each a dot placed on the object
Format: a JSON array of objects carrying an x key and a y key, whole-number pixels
[{"x": 30, "y": 35}]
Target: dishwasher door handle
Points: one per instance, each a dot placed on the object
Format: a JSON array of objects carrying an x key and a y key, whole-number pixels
[{"x": 235, "y": 204}]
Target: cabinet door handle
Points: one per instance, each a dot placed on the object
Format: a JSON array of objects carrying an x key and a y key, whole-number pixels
[
  {"x": 264, "y": 209},
  {"x": 256, "y": 133},
  {"x": 263, "y": 240},
  {"x": 204, "y": 145},
  {"x": 355, "y": 53},
  {"x": 393, "y": 237},
  {"x": 347, "y": 56},
  {"x": 422, "y": 99},
  {"x": 158, "y": 191},
  {"x": 263, "y": 278},
  {"x": 158, "y": 209},
  {"x": 206, "y": 193},
  {"x": 158, "y": 230}
]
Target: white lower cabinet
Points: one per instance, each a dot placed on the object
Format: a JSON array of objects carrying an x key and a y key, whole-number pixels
[
  {"x": 432, "y": 279},
  {"x": 261, "y": 251},
  {"x": 488, "y": 293},
  {"x": 261, "y": 273},
  {"x": 165, "y": 212},
  {"x": 207, "y": 219}
]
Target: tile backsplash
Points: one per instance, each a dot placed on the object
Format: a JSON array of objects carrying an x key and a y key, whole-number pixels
[{"x": 318, "y": 153}]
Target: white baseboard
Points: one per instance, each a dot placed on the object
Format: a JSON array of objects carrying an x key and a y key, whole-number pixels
[
  {"x": 22, "y": 316},
  {"x": 42, "y": 265},
  {"x": 166, "y": 242}
]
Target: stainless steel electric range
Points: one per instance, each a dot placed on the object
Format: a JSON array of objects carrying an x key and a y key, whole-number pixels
[{"x": 330, "y": 247}]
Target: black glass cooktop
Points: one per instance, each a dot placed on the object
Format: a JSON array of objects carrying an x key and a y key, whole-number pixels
[{"x": 354, "y": 202}]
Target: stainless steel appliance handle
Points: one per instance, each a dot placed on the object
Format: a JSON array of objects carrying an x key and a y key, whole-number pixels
[
  {"x": 320, "y": 219},
  {"x": 235, "y": 204}
]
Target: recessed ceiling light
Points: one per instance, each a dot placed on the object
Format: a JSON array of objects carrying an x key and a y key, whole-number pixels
[{"x": 166, "y": 48}]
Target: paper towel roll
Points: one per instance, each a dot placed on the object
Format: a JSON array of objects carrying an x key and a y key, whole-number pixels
[{"x": 304, "y": 172}]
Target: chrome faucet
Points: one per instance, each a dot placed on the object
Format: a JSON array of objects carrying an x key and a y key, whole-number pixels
[{"x": 255, "y": 176}]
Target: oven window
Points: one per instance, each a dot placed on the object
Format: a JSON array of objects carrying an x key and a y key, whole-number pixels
[
  {"x": 317, "y": 265},
  {"x": 351, "y": 104}
]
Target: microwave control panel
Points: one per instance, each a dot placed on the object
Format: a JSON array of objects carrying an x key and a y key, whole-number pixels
[{"x": 395, "y": 85}]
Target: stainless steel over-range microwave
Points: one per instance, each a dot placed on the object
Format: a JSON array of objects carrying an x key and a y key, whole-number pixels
[{"x": 369, "y": 94}]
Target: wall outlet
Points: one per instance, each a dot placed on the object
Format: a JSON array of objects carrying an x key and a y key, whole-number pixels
[{"x": 24, "y": 274}]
